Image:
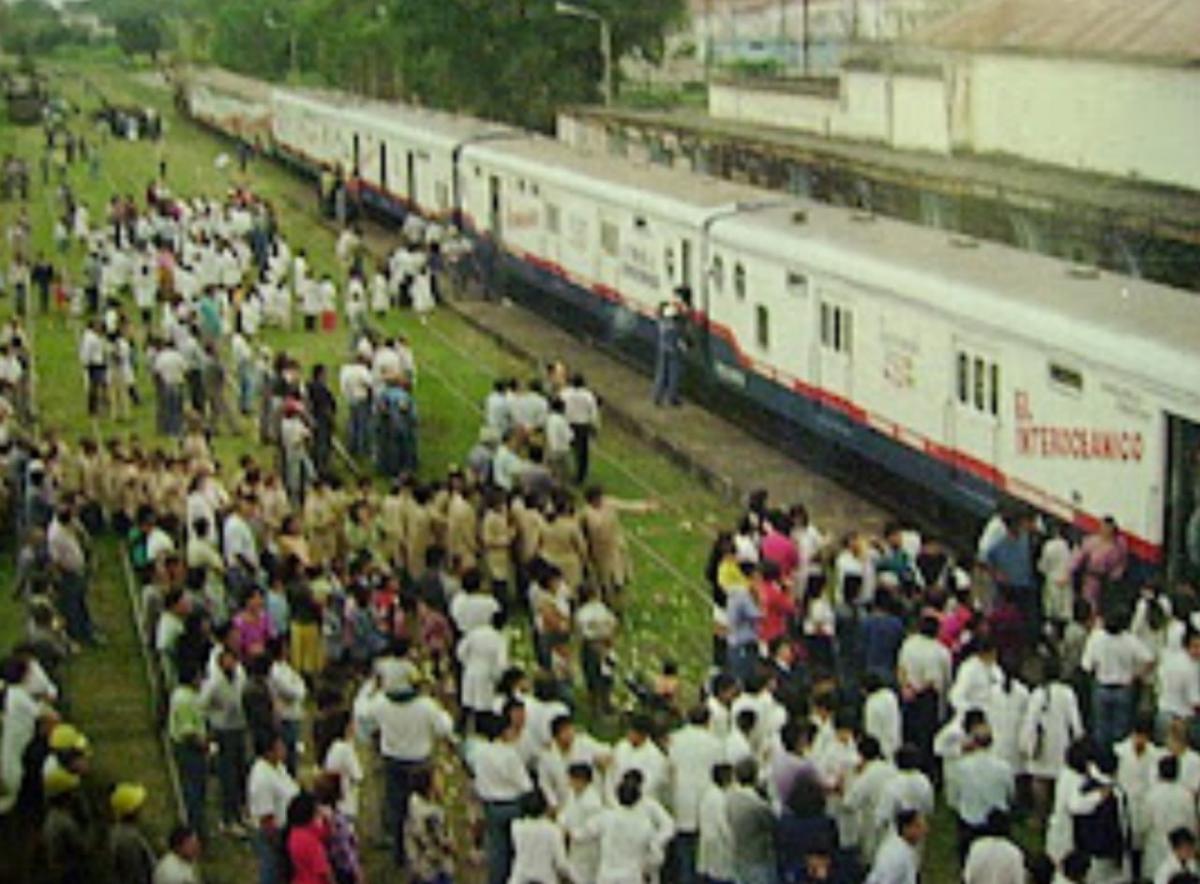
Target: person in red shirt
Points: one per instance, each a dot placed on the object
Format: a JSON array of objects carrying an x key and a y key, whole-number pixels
[
  {"x": 777, "y": 605},
  {"x": 305, "y": 840},
  {"x": 778, "y": 547}
]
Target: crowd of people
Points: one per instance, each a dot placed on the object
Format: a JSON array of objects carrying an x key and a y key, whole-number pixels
[{"x": 321, "y": 640}]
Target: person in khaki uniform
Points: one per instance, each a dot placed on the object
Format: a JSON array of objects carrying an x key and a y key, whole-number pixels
[
  {"x": 499, "y": 533},
  {"x": 608, "y": 554},
  {"x": 320, "y": 521},
  {"x": 563, "y": 545},
  {"x": 530, "y": 523},
  {"x": 419, "y": 533},
  {"x": 392, "y": 523},
  {"x": 462, "y": 526}
]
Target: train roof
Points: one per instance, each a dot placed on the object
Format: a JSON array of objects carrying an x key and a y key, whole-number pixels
[
  {"x": 636, "y": 185},
  {"x": 424, "y": 124},
  {"x": 1144, "y": 328}
]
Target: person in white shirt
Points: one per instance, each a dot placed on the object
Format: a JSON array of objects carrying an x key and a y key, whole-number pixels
[
  {"x": 976, "y": 677},
  {"x": 1054, "y": 564},
  {"x": 289, "y": 692},
  {"x": 994, "y": 858},
  {"x": 1100, "y": 811},
  {"x": 1060, "y": 834},
  {"x": 881, "y": 715},
  {"x": 582, "y": 412},
  {"x": 985, "y": 785},
  {"x": 559, "y": 436},
  {"x": 638, "y": 751},
  {"x": 483, "y": 653},
  {"x": 178, "y": 864},
  {"x": 93, "y": 357},
  {"x": 270, "y": 789},
  {"x": 410, "y": 726},
  {"x": 502, "y": 782},
  {"x": 898, "y": 860},
  {"x": 862, "y": 798},
  {"x": 1169, "y": 806},
  {"x": 568, "y": 747},
  {"x": 692, "y": 753},
  {"x": 1182, "y": 859},
  {"x": 1052, "y": 723},
  {"x": 909, "y": 789},
  {"x": 628, "y": 846},
  {"x": 714, "y": 852},
  {"x": 1178, "y": 679},
  {"x": 583, "y": 804},
  {"x": 923, "y": 669},
  {"x": 341, "y": 759},
  {"x": 539, "y": 846},
  {"x": 1114, "y": 658}
]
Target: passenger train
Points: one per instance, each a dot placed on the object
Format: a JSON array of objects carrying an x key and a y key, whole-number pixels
[{"x": 972, "y": 369}]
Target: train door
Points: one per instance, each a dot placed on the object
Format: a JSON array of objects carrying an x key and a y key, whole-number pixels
[
  {"x": 383, "y": 166},
  {"x": 609, "y": 259},
  {"x": 1182, "y": 516},
  {"x": 495, "y": 208},
  {"x": 355, "y": 153},
  {"x": 412, "y": 180},
  {"x": 974, "y": 412},
  {"x": 836, "y": 345}
]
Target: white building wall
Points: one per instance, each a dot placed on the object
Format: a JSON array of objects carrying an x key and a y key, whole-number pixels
[
  {"x": 864, "y": 107},
  {"x": 770, "y": 107},
  {"x": 919, "y": 114},
  {"x": 1090, "y": 115}
]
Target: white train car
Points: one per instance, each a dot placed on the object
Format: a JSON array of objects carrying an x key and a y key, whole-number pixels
[
  {"x": 611, "y": 238},
  {"x": 235, "y": 105},
  {"x": 405, "y": 158},
  {"x": 972, "y": 368}
]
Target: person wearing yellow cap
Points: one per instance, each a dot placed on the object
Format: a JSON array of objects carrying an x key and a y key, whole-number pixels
[
  {"x": 132, "y": 857},
  {"x": 63, "y": 836}
]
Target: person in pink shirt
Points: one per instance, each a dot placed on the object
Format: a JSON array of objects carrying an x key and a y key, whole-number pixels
[
  {"x": 776, "y": 603},
  {"x": 252, "y": 627},
  {"x": 778, "y": 547},
  {"x": 305, "y": 839}
]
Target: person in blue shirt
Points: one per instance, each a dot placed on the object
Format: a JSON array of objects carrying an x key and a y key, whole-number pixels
[
  {"x": 881, "y": 633},
  {"x": 668, "y": 363},
  {"x": 1010, "y": 560}
]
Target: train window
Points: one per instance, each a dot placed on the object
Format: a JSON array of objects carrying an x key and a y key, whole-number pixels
[
  {"x": 994, "y": 391},
  {"x": 537, "y": 191},
  {"x": 739, "y": 280},
  {"x": 610, "y": 238},
  {"x": 847, "y": 331},
  {"x": 521, "y": 185},
  {"x": 797, "y": 284},
  {"x": 718, "y": 274},
  {"x": 826, "y": 325},
  {"x": 762, "y": 327},
  {"x": 443, "y": 196},
  {"x": 553, "y": 218},
  {"x": 964, "y": 372},
  {"x": 837, "y": 328},
  {"x": 980, "y": 382},
  {"x": 1066, "y": 378},
  {"x": 639, "y": 223}
]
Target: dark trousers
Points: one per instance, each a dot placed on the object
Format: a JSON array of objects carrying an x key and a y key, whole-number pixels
[
  {"x": 398, "y": 786},
  {"x": 95, "y": 388},
  {"x": 683, "y": 855},
  {"x": 498, "y": 817},
  {"x": 72, "y": 601},
  {"x": 920, "y": 718},
  {"x": 582, "y": 443},
  {"x": 193, "y": 780},
  {"x": 231, "y": 772}
]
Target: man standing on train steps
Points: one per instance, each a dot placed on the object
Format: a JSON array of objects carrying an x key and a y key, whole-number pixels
[{"x": 668, "y": 363}]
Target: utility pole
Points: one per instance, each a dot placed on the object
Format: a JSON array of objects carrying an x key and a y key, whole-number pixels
[
  {"x": 606, "y": 44},
  {"x": 807, "y": 37}
]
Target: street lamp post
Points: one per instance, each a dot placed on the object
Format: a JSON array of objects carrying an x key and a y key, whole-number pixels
[
  {"x": 606, "y": 46},
  {"x": 293, "y": 44}
]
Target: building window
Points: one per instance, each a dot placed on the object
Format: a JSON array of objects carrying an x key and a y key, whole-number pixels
[
  {"x": 610, "y": 238},
  {"x": 739, "y": 280},
  {"x": 762, "y": 327},
  {"x": 553, "y": 219}
]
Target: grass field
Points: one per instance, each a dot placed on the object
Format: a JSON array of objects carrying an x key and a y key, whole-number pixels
[{"x": 667, "y": 611}]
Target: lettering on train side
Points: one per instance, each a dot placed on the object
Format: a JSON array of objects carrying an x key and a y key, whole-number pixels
[{"x": 1072, "y": 442}]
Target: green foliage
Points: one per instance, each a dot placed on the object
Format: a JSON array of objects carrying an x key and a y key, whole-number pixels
[
  {"x": 33, "y": 27},
  {"x": 516, "y": 60}
]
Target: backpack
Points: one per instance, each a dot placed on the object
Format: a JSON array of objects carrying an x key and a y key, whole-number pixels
[{"x": 1100, "y": 833}]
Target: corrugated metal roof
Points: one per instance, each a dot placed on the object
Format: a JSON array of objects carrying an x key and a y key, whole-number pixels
[{"x": 1152, "y": 30}]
